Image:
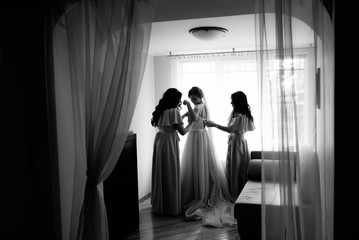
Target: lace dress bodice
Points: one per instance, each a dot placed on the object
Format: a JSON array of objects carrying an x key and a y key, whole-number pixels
[{"x": 201, "y": 114}]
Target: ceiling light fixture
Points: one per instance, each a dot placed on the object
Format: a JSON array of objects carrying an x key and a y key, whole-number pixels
[{"x": 208, "y": 33}]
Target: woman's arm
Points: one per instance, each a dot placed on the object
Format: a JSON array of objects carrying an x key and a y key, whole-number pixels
[
  {"x": 184, "y": 115},
  {"x": 183, "y": 130},
  {"x": 223, "y": 128},
  {"x": 191, "y": 113}
]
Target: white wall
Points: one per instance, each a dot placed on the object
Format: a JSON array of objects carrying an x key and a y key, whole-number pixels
[
  {"x": 163, "y": 76},
  {"x": 156, "y": 80},
  {"x": 141, "y": 125}
]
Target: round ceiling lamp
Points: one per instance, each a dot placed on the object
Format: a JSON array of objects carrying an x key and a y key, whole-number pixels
[{"x": 208, "y": 33}]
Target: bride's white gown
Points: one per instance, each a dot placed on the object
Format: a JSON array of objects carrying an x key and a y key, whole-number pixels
[{"x": 204, "y": 188}]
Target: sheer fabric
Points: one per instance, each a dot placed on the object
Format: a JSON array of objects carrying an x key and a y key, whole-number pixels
[
  {"x": 219, "y": 77},
  {"x": 303, "y": 208},
  {"x": 100, "y": 51},
  {"x": 204, "y": 188}
]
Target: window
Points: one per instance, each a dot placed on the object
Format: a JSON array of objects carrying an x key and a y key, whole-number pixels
[
  {"x": 293, "y": 90},
  {"x": 219, "y": 77}
]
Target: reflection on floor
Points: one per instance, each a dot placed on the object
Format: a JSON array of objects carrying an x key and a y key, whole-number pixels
[{"x": 156, "y": 227}]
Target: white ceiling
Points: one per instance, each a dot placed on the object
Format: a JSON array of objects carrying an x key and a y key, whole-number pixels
[
  {"x": 173, "y": 36},
  {"x": 173, "y": 19}
]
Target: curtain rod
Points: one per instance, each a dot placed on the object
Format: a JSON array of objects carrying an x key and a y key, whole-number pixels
[
  {"x": 210, "y": 53},
  {"x": 226, "y": 52}
]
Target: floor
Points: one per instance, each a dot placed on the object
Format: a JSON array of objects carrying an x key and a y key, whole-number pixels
[{"x": 156, "y": 227}]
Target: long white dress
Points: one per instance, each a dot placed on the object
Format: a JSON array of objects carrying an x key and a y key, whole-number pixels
[{"x": 204, "y": 189}]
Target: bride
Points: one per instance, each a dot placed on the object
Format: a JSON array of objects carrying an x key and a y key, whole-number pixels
[{"x": 204, "y": 188}]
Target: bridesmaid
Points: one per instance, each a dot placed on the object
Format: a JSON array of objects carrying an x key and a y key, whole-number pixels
[
  {"x": 166, "y": 188},
  {"x": 238, "y": 154}
]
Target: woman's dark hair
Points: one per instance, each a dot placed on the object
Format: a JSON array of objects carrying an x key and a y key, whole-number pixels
[
  {"x": 240, "y": 104},
  {"x": 195, "y": 91},
  {"x": 170, "y": 99}
]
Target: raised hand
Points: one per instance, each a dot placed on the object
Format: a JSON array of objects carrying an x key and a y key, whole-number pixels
[{"x": 185, "y": 102}]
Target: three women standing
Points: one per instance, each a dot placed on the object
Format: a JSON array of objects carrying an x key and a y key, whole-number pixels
[{"x": 203, "y": 184}]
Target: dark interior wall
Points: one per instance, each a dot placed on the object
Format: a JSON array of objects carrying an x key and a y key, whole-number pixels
[
  {"x": 26, "y": 194},
  {"x": 346, "y": 123}
]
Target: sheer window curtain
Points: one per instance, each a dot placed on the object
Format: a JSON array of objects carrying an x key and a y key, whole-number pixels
[
  {"x": 100, "y": 52},
  {"x": 219, "y": 77},
  {"x": 305, "y": 173}
]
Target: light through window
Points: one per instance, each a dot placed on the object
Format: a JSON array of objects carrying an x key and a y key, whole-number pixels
[{"x": 219, "y": 77}]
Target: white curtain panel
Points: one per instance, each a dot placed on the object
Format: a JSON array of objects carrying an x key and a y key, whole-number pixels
[
  {"x": 297, "y": 124},
  {"x": 219, "y": 77},
  {"x": 102, "y": 48}
]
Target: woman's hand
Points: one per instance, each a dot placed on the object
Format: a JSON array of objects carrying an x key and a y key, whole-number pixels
[
  {"x": 185, "y": 102},
  {"x": 185, "y": 115},
  {"x": 190, "y": 120},
  {"x": 209, "y": 123}
]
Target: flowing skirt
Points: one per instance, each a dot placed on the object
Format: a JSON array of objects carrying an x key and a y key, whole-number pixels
[
  {"x": 238, "y": 157},
  {"x": 166, "y": 191},
  {"x": 204, "y": 187}
]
